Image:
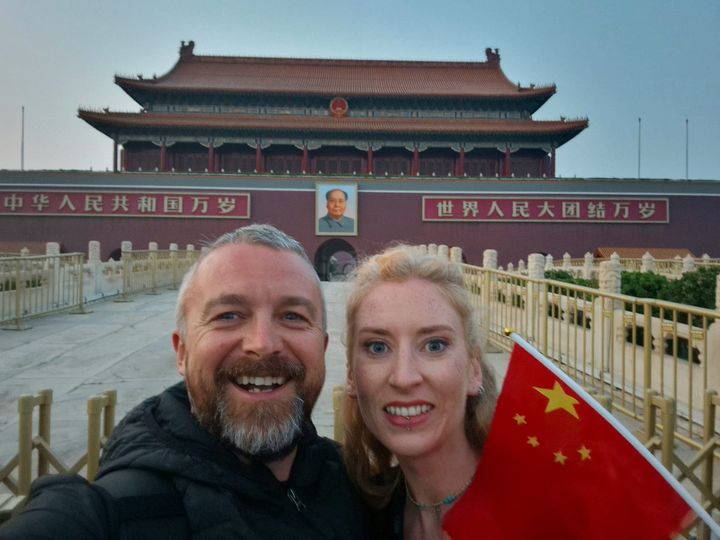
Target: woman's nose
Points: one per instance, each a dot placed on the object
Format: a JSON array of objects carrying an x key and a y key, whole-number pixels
[{"x": 405, "y": 371}]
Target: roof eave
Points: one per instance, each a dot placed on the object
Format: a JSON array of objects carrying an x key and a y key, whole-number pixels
[
  {"x": 136, "y": 87},
  {"x": 106, "y": 123}
]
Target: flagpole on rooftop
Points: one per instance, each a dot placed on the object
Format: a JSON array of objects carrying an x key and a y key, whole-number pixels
[
  {"x": 22, "y": 139},
  {"x": 687, "y": 152},
  {"x": 614, "y": 422},
  {"x": 639, "y": 142}
]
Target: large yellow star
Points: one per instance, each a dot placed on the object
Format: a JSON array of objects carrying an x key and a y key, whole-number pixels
[{"x": 558, "y": 399}]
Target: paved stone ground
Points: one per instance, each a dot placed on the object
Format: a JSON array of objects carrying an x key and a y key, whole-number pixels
[
  {"x": 121, "y": 346},
  {"x": 125, "y": 347}
]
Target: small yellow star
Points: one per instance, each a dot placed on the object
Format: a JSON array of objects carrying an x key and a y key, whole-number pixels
[
  {"x": 533, "y": 441},
  {"x": 584, "y": 453},
  {"x": 520, "y": 419},
  {"x": 560, "y": 457},
  {"x": 558, "y": 399}
]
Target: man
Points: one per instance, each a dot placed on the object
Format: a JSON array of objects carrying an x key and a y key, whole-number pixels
[
  {"x": 230, "y": 452},
  {"x": 335, "y": 221}
]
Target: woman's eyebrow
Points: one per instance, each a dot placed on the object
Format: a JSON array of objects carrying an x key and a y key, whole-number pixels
[
  {"x": 373, "y": 330},
  {"x": 436, "y": 328},
  {"x": 424, "y": 330}
]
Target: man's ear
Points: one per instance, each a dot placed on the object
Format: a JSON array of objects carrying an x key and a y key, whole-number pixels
[{"x": 180, "y": 352}]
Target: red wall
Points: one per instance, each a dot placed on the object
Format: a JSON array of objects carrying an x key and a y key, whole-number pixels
[{"x": 383, "y": 217}]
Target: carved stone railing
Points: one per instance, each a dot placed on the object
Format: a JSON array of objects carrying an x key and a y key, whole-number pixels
[{"x": 37, "y": 285}]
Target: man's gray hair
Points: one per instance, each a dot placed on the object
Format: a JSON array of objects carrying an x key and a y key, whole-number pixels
[{"x": 257, "y": 234}]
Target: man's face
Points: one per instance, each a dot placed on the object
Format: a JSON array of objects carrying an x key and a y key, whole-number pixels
[
  {"x": 336, "y": 204},
  {"x": 253, "y": 353}
]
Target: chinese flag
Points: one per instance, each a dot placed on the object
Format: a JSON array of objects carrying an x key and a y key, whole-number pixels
[{"x": 554, "y": 468}]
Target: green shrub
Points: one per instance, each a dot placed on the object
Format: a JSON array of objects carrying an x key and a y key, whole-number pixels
[
  {"x": 643, "y": 284},
  {"x": 694, "y": 288},
  {"x": 567, "y": 277}
]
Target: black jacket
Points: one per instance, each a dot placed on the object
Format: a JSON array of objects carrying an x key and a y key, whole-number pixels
[{"x": 219, "y": 495}]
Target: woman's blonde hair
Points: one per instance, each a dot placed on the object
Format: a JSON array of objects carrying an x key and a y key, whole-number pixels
[{"x": 371, "y": 465}]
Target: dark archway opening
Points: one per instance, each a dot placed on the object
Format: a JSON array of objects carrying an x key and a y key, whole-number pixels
[{"x": 335, "y": 260}]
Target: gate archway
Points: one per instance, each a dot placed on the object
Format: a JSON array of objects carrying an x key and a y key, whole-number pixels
[{"x": 335, "y": 260}]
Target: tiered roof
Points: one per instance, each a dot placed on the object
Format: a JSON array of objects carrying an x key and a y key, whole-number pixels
[
  {"x": 405, "y": 85},
  {"x": 349, "y": 78}
]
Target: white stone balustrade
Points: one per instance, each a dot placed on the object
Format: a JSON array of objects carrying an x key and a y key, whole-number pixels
[
  {"x": 490, "y": 259},
  {"x": 107, "y": 278}
]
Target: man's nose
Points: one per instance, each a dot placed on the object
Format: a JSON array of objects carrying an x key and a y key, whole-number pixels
[
  {"x": 405, "y": 370},
  {"x": 262, "y": 337}
]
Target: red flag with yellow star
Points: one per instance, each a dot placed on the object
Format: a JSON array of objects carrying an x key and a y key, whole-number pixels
[{"x": 554, "y": 468}]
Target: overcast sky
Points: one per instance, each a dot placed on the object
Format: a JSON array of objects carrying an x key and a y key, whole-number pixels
[{"x": 613, "y": 61}]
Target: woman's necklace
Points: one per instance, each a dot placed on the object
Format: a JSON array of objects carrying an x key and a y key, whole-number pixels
[{"x": 437, "y": 507}]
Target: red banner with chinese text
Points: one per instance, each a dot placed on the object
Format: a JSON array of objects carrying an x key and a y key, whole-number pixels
[
  {"x": 546, "y": 209},
  {"x": 125, "y": 204}
]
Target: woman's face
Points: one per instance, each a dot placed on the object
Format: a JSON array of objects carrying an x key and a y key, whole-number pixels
[{"x": 412, "y": 370}]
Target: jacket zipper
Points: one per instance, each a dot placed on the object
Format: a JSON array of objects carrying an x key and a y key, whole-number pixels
[{"x": 296, "y": 500}]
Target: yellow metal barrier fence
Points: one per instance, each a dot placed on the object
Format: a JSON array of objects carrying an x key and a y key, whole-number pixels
[
  {"x": 619, "y": 345},
  {"x": 36, "y": 448},
  {"x": 36, "y": 285}
]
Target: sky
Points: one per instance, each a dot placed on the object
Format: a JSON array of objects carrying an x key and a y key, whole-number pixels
[{"x": 613, "y": 61}]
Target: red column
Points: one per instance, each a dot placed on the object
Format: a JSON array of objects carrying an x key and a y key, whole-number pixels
[
  {"x": 552, "y": 163},
  {"x": 163, "y": 157},
  {"x": 258, "y": 158},
  {"x": 506, "y": 172},
  {"x": 115, "y": 151},
  {"x": 305, "y": 159},
  {"x": 415, "y": 167},
  {"x": 211, "y": 158},
  {"x": 460, "y": 169},
  {"x": 370, "y": 160}
]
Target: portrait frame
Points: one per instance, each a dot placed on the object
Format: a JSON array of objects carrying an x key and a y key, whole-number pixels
[{"x": 324, "y": 224}]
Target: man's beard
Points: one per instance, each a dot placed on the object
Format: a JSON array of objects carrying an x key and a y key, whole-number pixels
[{"x": 260, "y": 429}]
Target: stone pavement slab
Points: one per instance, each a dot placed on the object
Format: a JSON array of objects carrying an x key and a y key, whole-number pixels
[{"x": 121, "y": 346}]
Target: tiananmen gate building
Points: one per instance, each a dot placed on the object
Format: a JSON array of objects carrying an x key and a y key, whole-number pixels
[
  {"x": 420, "y": 152},
  {"x": 282, "y": 115}
]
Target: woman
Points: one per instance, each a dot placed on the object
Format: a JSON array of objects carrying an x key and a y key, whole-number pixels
[{"x": 422, "y": 396}]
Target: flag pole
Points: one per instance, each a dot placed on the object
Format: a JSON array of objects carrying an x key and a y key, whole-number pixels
[
  {"x": 615, "y": 423},
  {"x": 22, "y": 139},
  {"x": 687, "y": 152},
  {"x": 639, "y": 143}
]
